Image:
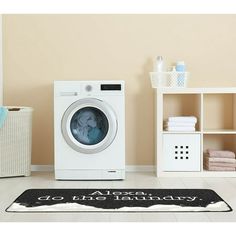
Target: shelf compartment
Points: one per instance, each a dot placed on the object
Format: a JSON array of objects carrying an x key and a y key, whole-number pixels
[
  {"x": 182, "y": 105},
  {"x": 219, "y": 142},
  {"x": 219, "y": 112}
]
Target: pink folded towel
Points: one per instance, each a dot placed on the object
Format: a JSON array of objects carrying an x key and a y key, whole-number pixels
[
  {"x": 218, "y": 168},
  {"x": 219, "y": 159},
  {"x": 220, "y": 164},
  {"x": 218, "y": 153}
]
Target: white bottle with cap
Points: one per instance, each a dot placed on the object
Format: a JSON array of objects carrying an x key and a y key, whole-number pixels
[
  {"x": 159, "y": 68},
  {"x": 158, "y": 64}
]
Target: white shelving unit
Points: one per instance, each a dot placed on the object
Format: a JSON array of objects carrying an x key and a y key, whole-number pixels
[{"x": 215, "y": 109}]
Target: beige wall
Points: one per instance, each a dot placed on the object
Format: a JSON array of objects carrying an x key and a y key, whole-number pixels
[{"x": 39, "y": 49}]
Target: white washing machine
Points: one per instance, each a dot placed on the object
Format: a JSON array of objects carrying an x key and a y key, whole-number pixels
[{"x": 89, "y": 130}]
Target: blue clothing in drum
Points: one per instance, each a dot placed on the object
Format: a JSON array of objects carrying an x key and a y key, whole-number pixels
[{"x": 89, "y": 125}]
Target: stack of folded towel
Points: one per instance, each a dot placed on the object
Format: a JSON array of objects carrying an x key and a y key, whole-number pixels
[
  {"x": 180, "y": 123},
  {"x": 219, "y": 160}
]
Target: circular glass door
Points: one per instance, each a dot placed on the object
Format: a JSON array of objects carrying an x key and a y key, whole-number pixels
[{"x": 89, "y": 125}]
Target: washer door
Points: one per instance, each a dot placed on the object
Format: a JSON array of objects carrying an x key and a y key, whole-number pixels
[{"x": 89, "y": 125}]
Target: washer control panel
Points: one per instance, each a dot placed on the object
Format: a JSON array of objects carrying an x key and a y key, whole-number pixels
[
  {"x": 93, "y": 88},
  {"x": 88, "y": 88}
]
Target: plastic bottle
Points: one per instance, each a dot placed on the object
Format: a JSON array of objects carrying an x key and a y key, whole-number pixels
[
  {"x": 159, "y": 64},
  {"x": 173, "y": 77},
  {"x": 181, "y": 68}
]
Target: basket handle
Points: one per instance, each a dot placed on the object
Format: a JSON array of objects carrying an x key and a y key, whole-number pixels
[{"x": 13, "y": 109}]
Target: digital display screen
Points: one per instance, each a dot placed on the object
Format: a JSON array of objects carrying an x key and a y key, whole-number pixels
[{"x": 110, "y": 86}]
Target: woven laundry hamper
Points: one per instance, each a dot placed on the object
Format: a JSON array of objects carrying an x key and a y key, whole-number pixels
[{"x": 16, "y": 142}]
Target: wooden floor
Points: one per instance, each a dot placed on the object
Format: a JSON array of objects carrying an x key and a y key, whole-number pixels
[{"x": 11, "y": 188}]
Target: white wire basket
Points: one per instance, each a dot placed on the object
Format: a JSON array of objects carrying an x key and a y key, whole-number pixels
[
  {"x": 169, "y": 79},
  {"x": 16, "y": 142}
]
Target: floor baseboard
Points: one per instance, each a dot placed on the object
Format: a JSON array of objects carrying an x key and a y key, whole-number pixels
[
  {"x": 129, "y": 168},
  {"x": 43, "y": 168},
  {"x": 140, "y": 168}
]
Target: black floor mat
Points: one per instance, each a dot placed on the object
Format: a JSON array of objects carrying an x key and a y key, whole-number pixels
[{"x": 119, "y": 200}]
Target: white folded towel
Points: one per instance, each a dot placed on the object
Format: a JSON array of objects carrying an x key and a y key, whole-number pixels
[
  {"x": 183, "y": 124},
  {"x": 180, "y": 129},
  {"x": 184, "y": 119}
]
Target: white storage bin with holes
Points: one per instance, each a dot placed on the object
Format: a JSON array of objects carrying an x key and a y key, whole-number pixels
[
  {"x": 181, "y": 152},
  {"x": 15, "y": 142},
  {"x": 169, "y": 79}
]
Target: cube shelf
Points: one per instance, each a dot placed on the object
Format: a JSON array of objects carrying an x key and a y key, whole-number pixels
[
  {"x": 182, "y": 105},
  {"x": 219, "y": 142},
  {"x": 218, "y": 110},
  {"x": 215, "y": 109}
]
